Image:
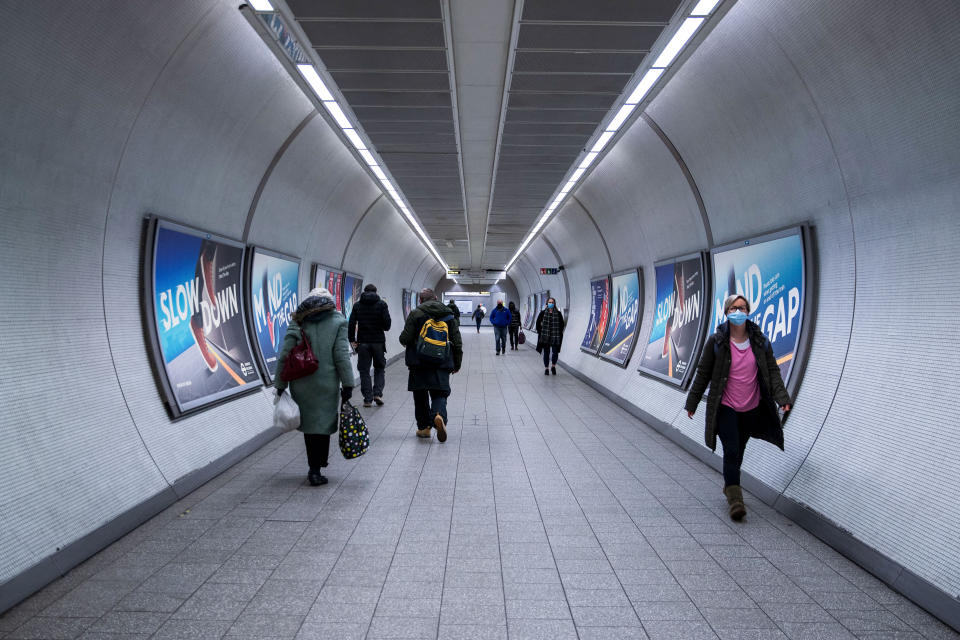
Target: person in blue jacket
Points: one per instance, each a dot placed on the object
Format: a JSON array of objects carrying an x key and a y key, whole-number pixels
[{"x": 500, "y": 319}]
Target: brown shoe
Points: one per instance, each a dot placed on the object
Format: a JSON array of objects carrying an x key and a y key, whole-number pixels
[
  {"x": 423, "y": 433},
  {"x": 441, "y": 428},
  {"x": 735, "y": 500},
  {"x": 378, "y": 400}
]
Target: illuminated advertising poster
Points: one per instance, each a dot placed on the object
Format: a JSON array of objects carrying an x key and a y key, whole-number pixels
[
  {"x": 537, "y": 308},
  {"x": 196, "y": 315},
  {"x": 273, "y": 297},
  {"x": 352, "y": 288},
  {"x": 529, "y": 314},
  {"x": 599, "y": 313},
  {"x": 770, "y": 273},
  {"x": 621, "y": 333},
  {"x": 331, "y": 280},
  {"x": 405, "y": 301},
  {"x": 678, "y": 318}
]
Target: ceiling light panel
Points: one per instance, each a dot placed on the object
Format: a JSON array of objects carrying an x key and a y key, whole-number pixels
[
  {"x": 310, "y": 74},
  {"x": 355, "y": 138},
  {"x": 681, "y": 37},
  {"x": 261, "y": 5}
]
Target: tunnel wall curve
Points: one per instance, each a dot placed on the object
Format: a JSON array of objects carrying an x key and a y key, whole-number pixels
[
  {"x": 841, "y": 115},
  {"x": 113, "y": 111}
]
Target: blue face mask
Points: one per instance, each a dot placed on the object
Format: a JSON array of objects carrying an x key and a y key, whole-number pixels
[
  {"x": 737, "y": 317},
  {"x": 549, "y": 305}
]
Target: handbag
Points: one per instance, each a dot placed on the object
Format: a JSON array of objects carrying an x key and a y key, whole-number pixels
[
  {"x": 354, "y": 437},
  {"x": 522, "y": 339},
  {"x": 286, "y": 413},
  {"x": 301, "y": 361}
]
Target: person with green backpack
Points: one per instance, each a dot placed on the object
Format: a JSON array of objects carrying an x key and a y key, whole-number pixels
[{"x": 434, "y": 350}]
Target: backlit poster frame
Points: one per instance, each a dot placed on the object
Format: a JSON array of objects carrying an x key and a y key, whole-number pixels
[
  {"x": 599, "y": 316},
  {"x": 671, "y": 312},
  {"x": 405, "y": 303},
  {"x": 638, "y": 273},
  {"x": 529, "y": 317},
  {"x": 197, "y": 303},
  {"x": 771, "y": 316},
  {"x": 352, "y": 289},
  {"x": 330, "y": 279},
  {"x": 280, "y": 316}
]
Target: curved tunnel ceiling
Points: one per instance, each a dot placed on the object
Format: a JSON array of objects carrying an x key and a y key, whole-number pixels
[{"x": 480, "y": 108}]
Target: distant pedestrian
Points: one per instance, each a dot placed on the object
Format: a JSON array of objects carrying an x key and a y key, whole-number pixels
[
  {"x": 369, "y": 319},
  {"x": 434, "y": 351},
  {"x": 745, "y": 389},
  {"x": 316, "y": 394},
  {"x": 550, "y": 327},
  {"x": 455, "y": 310},
  {"x": 478, "y": 314},
  {"x": 514, "y": 326},
  {"x": 500, "y": 319}
]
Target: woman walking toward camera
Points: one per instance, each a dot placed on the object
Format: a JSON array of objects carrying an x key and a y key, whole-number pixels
[{"x": 745, "y": 389}]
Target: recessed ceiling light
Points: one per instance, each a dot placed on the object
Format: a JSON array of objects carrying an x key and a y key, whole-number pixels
[
  {"x": 377, "y": 171},
  {"x": 649, "y": 79},
  {"x": 261, "y": 5},
  {"x": 602, "y": 141},
  {"x": 368, "y": 157},
  {"x": 677, "y": 42},
  {"x": 621, "y": 117},
  {"x": 355, "y": 138},
  {"x": 704, "y": 7},
  {"x": 313, "y": 79},
  {"x": 588, "y": 160},
  {"x": 338, "y": 115}
]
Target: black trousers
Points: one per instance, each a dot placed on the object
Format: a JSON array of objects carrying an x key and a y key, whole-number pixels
[
  {"x": 514, "y": 336},
  {"x": 478, "y": 324},
  {"x": 427, "y": 404},
  {"x": 368, "y": 353},
  {"x": 318, "y": 450},
  {"x": 734, "y": 429},
  {"x": 547, "y": 349}
]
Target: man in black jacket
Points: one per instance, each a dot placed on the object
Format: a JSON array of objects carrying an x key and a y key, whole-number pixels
[{"x": 369, "y": 318}]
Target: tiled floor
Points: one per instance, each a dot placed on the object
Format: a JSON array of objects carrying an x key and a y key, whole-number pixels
[{"x": 548, "y": 514}]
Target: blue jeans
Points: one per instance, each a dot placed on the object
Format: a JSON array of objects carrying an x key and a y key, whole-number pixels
[
  {"x": 427, "y": 404},
  {"x": 500, "y": 333}
]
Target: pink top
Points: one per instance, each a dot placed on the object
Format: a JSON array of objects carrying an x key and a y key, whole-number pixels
[{"x": 742, "y": 392}]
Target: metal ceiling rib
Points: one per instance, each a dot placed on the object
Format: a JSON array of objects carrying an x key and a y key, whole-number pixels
[
  {"x": 390, "y": 62},
  {"x": 572, "y": 61}
]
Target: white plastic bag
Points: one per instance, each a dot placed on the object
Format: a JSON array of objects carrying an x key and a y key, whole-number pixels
[{"x": 286, "y": 413}]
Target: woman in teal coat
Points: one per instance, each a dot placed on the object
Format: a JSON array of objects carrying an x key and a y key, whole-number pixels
[{"x": 316, "y": 394}]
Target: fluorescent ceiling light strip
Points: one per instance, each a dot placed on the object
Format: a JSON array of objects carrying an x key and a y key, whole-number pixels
[
  {"x": 704, "y": 7},
  {"x": 556, "y": 201},
  {"x": 677, "y": 42},
  {"x": 602, "y": 141},
  {"x": 649, "y": 79},
  {"x": 577, "y": 175},
  {"x": 355, "y": 138},
  {"x": 377, "y": 171},
  {"x": 338, "y": 115},
  {"x": 368, "y": 158},
  {"x": 588, "y": 160},
  {"x": 261, "y": 5},
  {"x": 621, "y": 117},
  {"x": 313, "y": 79}
]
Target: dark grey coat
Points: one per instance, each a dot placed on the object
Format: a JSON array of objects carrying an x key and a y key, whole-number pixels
[
  {"x": 714, "y": 368},
  {"x": 427, "y": 377}
]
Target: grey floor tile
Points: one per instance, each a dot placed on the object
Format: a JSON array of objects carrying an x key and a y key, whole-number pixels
[
  {"x": 43, "y": 628},
  {"x": 538, "y": 609},
  {"x": 401, "y": 627},
  {"x": 192, "y": 629},
  {"x": 679, "y": 630},
  {"x": 340, "y": 630},
  {"x": 612, "y": 633},
  {"x": 471, "y": 632},
  {"x": 542, "y": 630},
  {"x": 263, "y": 626},
  {"x": 130, "y": 622}
]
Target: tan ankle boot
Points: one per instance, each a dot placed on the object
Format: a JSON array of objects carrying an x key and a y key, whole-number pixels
[{"x": 735, "y": 500}]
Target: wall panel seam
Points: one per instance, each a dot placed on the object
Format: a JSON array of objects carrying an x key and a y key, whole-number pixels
[
  {"x": 346, "y": 248},
  {"x": 593, "y": 220},
  {"x": 255, "y": 202},
  {"x": 566, "y": 283},
  {"x": 103, "y": 248}
]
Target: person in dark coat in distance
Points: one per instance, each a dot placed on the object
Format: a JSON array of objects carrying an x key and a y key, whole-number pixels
[
  {"x": 745, "y": 388},
  {"x": 514, "y": 326},
  {"x": 455, "y": 310},
  {"x": 500, "y": 319},
  {"x": 550, "y": 325},
  {"x": 478, "y": 314},
  {"x": 316, "y": 394},
  {"x": 369, "y": 319},
  {"x": 430, "y": 383}
]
